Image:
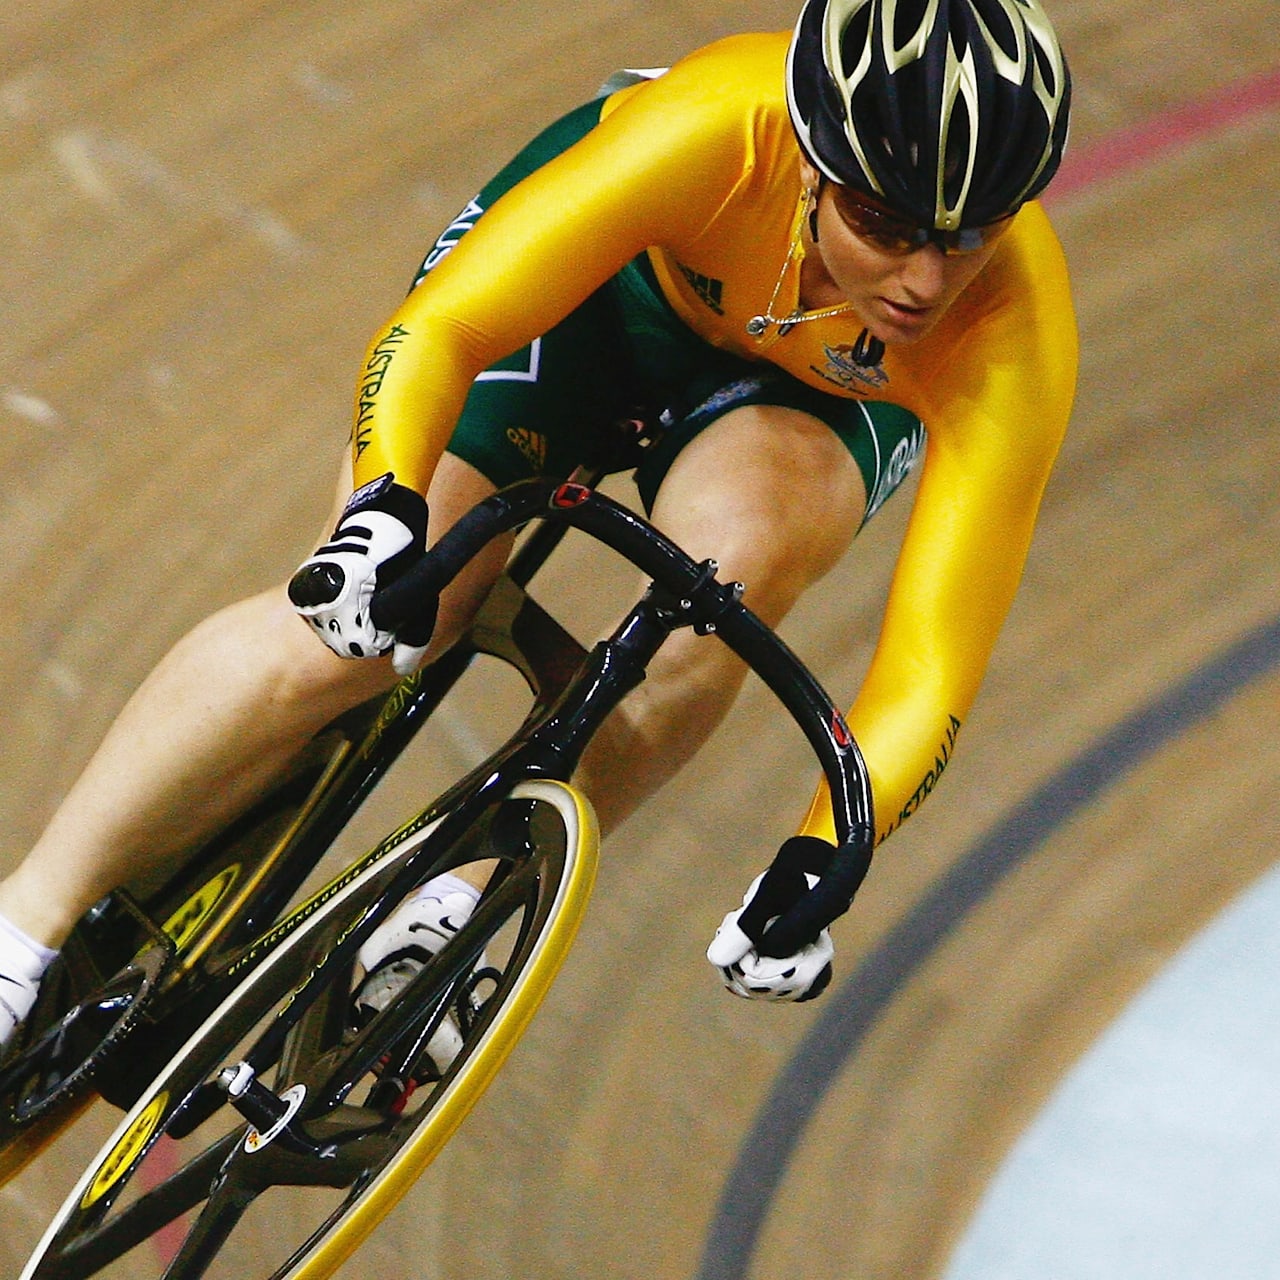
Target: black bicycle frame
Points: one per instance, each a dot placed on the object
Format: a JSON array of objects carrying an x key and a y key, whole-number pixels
[
  {"x": 707, "y": 605},
  {"x": 684, "y": 593}
]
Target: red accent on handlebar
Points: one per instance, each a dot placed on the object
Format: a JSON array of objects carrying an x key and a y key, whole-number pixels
[{"x": 570, "y": 495}]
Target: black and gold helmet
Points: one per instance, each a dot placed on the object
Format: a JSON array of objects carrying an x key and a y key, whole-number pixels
[{"x": 950, "y": 112}]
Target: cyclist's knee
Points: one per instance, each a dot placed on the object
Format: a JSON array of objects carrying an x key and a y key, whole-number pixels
[
  {"x": 772, "y": 494},
  {"x": 295, "y": 668}
]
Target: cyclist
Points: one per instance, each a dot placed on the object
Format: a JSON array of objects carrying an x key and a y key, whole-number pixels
[{"x": 802, "y": 252}]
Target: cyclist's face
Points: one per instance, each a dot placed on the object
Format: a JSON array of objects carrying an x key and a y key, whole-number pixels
[{"x": 899, "y": 295}]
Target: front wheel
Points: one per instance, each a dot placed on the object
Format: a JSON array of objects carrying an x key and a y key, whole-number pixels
[{"x": 344, "y": 1120}]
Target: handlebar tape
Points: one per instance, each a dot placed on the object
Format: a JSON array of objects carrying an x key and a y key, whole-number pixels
[
  {"x": 412, "y": 599},
  {"x": 785, "y": 914}
]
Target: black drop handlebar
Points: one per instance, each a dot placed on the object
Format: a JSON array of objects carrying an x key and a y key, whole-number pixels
[{"x": 710, "y": 606}]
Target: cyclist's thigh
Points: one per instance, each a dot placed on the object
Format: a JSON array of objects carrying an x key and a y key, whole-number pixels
[
  {"x": 884, "y": 439},
  {"x": 771, "y": 493}
]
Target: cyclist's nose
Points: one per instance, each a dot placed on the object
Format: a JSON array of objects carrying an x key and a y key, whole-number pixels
[{"x": 923, "y": 275}]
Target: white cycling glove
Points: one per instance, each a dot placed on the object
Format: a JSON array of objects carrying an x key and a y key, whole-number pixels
[
  {"x": 735, "y": 951},
  {"x": 382, "y": 532},
  {"x": 755, "y": 977}
]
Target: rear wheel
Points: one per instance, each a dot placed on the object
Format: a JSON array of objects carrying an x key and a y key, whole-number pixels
[{"x": 342, "y": 1120}]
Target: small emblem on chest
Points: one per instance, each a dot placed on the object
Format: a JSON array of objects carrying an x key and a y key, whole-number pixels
[{"x": 847, "y": 366}]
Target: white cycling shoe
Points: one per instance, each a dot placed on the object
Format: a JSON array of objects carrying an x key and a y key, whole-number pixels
[
  {"x": 22, "y": 965},
  {"x": 17, "y": 995},
  {"x": 403, "y": 943}
]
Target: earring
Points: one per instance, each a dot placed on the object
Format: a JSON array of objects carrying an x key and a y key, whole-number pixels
[{"x": 811, "y": 204}]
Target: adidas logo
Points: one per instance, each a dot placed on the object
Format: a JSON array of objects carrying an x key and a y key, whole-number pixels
[
  {"x": 710, "y": 291},
  {"x": 532, "y": 445}
]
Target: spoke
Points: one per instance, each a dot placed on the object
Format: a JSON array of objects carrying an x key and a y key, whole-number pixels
[
  {"x": 176, "y": 1195},
  {"x": 315, "y": 1032},
  {"x": 352, "y": 1139},
  {"x": 359, "y": 1153},
  {"x": 218, "y": 1219}
]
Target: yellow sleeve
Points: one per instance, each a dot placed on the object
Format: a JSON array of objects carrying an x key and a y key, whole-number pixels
[
  {"x": 1004, "y": 398},
  {"x": 652, "y": 172}
]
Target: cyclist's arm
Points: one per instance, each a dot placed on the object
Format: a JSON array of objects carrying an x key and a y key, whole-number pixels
[
  {"x": 653, "y": 171},
  {"x": 986, "y": 466}
]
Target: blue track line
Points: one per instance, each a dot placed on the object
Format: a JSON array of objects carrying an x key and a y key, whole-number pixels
[{"x": 853, "y": 1009}]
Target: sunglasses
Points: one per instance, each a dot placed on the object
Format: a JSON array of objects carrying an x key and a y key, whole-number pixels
[{"x": 892, "y": 234}]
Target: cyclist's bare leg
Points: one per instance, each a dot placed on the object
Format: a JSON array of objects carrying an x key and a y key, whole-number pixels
[
  {"x": 745, "y": 491},
  {"x": 774, "y": 496},
  {"x": 217, "y": 720}
]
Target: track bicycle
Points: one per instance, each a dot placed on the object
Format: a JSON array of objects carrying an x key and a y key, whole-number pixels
[
  {"x": 279, "y": 1121},
  {"x": 149, "y": 962}
]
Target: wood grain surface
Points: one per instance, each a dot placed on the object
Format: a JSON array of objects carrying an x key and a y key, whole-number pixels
[{"x": 204, "y": 212}]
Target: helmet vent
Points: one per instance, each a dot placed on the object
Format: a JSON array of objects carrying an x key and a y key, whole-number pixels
[
  {"x": 910, "y": 25},
  {"x": 854, "y": 42},
  {"x": 1000, "y": 30},
  {"x": 1047, "y": 68},
  {"x": 955, "y": 161}
]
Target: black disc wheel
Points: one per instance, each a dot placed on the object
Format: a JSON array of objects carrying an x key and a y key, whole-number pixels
[{"x": 281, "y": 1134}]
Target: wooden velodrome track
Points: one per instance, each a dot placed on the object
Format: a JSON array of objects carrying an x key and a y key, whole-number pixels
[{"x": 204, "y": 212}]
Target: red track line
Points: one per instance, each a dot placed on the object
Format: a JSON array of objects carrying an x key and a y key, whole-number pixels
[
  {"x": 1133, "y": 148},
  {"x": 161, "y": 1164}
]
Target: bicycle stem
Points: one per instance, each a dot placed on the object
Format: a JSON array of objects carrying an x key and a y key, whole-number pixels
[{"x": 612, "y": 670}]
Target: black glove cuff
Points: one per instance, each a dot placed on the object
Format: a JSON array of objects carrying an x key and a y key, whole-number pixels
[
  {"x": 784, "y": 884},
  {"x": 405, "y": 504},
  {"x": 802, "y": 913}
]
